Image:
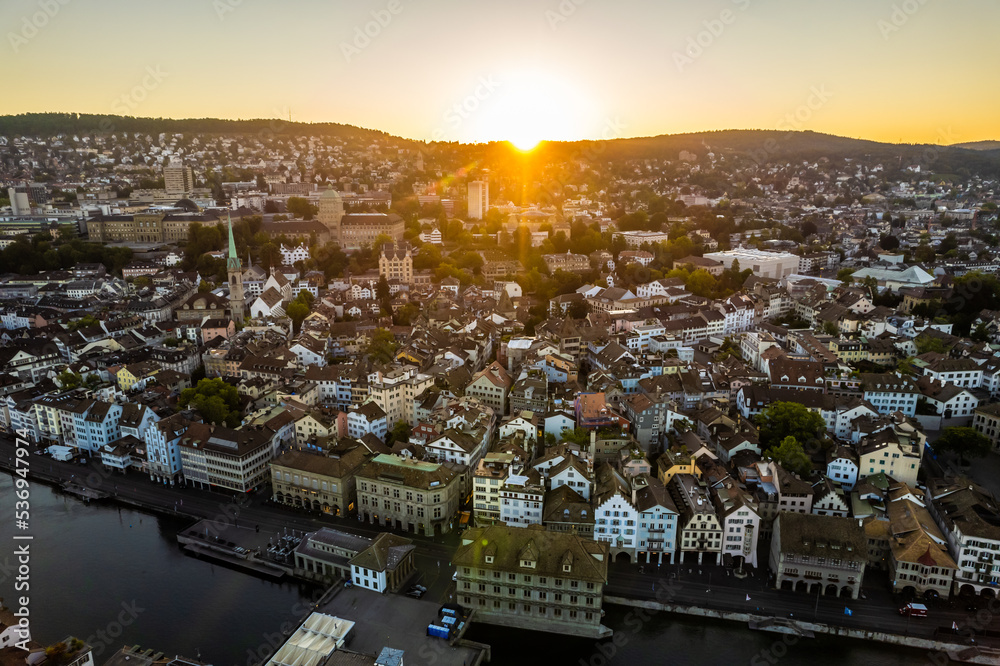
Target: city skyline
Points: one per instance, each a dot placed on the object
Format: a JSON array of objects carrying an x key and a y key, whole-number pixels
[{"x": 886, "y": 71}]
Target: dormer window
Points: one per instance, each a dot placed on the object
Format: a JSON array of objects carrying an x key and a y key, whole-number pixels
[
  {"x": 567, "y": 568},
  {"x": 489, "y": 559}
]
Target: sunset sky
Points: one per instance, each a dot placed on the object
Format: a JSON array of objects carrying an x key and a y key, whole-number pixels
[{"x": 890, "y": 70}]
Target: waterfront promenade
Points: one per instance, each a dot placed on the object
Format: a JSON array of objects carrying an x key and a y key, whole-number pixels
[{"x": 710, "y": 588}]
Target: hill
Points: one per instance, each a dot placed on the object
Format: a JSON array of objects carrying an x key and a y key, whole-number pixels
[
  {"x": 757, "y": 146},
  {"x": 978, "y": 145},
  {"x": 50, "y": 124}
]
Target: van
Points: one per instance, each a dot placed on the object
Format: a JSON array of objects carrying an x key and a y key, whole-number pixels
[{"x": 914, "y": 610}]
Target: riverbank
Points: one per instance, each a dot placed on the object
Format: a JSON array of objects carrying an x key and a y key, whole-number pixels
[
  {"x": 798, "y": 629},
  {"x": 691, "y": 600}
]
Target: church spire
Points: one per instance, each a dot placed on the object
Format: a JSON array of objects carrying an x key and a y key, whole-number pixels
[
  {"x": 235, "y": 270},
  {"x": 234, "y": 261}
]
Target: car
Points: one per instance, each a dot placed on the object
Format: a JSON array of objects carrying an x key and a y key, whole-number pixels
[
  {"x": 420, "y": 587},
  {"x": 416, "y": 594},
  {"x": 454, "y": 577},
  {"x": 913, "y": 610}
]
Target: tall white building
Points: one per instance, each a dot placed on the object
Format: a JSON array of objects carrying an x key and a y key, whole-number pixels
[{"x": 479, "y": 199}]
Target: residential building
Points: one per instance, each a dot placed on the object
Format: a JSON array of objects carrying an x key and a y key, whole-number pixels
[
  {"x": 219, "y": 457},
  {"x": 986, "y": 420},
  {"x": 479, "y": 199},
  {"x": 491, "y": 385},
  {"x": 616, "y": 516},
  {"x": 318, "y": 482},
  {"x": 658, "y": 520},
  {"x": 969, "y": 517},
  {"x": 890, "y": 393},
  {"x": 421, "y": 497},
  {"x": 699, "y": 529},
  {"x": 821, "y": 555},
  {"x": 533, "y": 578}
]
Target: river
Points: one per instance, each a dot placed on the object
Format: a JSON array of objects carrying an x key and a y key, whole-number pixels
[{"x": 116, "y": 576}]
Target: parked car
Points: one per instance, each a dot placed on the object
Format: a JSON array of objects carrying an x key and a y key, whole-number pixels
[{"x": 415, "y": 593}]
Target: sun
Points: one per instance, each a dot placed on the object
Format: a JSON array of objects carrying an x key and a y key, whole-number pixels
[
  {"x": 531, "y": 106},
  {"x": 525, "y": 143}
]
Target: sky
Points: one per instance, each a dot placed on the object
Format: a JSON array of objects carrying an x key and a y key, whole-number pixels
[{"x": 913, "y": 71}]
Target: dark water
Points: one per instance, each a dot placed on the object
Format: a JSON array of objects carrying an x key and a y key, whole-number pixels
[
  {"x": 95, "y": 566},
  {"x": 662, "y": 638}
]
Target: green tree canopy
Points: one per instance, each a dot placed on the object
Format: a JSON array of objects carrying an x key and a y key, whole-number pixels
[
  {"x": 382, "y": 346},
  {"x": 790, "y": 455},
  {"x": 215, "y": 400},
  {"x": 781, "y": 420},
  {"x": 300, "y": 207},
  {"x": 965, "y": 441},
  {"x": 580, "y": 436}
]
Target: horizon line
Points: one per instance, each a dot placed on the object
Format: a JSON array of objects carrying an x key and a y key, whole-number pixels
[{"x": 490, "y": 141}]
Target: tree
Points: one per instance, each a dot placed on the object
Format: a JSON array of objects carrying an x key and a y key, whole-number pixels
[
  {"x": 85, "y": 321},
  {"x": 578, "y": 310},
  {"x": 580, "y": 436},
  {"x": 844, "y": 275},
  {"x": 965, "y": 441},
  {"x": 780, "y": 420},
  {"x": 69, "y": 380},
  {"x": 400, "y": 432},
  {"x": 297, "y": 311},
  {"x": 216, "y": 401},
  {"x": 888, "y": 242},
  {"x": 790, "y": 455},
  {"x": 300, "y": 207},
  {"x": 926, "y": 343},
  {"x": 383, "y": 296},
  {"x": 382, "y": 346}
]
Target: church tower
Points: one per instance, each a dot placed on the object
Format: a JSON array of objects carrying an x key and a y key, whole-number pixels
[{"x": 235, "y": 269}]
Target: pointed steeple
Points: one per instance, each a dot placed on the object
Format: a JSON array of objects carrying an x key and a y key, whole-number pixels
[
  {"x": 233, "y": 262},
  {"x": 235, "y": 270}
]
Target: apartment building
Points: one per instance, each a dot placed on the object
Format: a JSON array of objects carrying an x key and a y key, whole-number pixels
[
  {"x": 421, "y": 497},
  {"x": 318, "y": 482},
  {"x": 821, "y": 555},
  {"x": 533, "y": 578},
  {"x": 699, "y": 530},
  {"x": 220, "y": 457}
]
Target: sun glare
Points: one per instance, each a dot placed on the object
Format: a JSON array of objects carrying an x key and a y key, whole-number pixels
[
  {"x": 529, "y": 107},
  {"x": 525, "y": 143}
]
